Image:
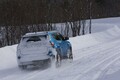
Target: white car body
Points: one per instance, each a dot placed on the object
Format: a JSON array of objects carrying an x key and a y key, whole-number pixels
[{"x": 30, "y": 52}]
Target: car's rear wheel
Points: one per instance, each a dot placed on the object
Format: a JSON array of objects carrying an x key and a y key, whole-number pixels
[{"x": 22, "y": 66}]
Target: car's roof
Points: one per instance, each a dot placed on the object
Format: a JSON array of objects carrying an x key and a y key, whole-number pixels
[
  {"x": 51, "y": 32},
  {"x": 42, "y": 33},
  {"x": 35, "y": 34}
]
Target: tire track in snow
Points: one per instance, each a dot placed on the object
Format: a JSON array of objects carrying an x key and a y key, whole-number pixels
[
  {"x": 18, "y": 75},
  {"x": 99, "y": 69},
  {"x": 94, "y": 49},
  {"x": 26, "y": 74},
  {"x": 26, "y": 77},
  {"x": 104, "y": 69},
  {"x": 106, "y": 60}
]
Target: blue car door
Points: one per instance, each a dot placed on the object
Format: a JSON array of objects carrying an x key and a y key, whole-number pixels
[{"x": 64, "y": 48}]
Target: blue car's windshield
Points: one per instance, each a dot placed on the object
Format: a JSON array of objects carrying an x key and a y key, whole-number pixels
[{"x": 58, "y": 36}]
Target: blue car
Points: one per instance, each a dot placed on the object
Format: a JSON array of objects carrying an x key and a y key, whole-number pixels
[{"x": 61, "y": 44}]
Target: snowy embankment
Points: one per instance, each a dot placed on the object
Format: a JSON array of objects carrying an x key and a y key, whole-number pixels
[
  {"x": 96, "y": 57},
  {"x": 89, "y": 40},
  {"x": 8, "y": 57}
]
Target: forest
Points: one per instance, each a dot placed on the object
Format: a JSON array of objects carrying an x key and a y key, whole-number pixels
[{"x": 18, "y": 17}]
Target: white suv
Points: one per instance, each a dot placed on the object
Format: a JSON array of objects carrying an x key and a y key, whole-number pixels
[{"x": 33, "y": 49}]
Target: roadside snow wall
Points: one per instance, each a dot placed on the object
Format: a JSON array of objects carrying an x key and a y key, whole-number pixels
[{"x": 95, "y": 38}]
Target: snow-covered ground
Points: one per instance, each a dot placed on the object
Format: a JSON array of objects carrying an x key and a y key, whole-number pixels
[{"x": 96, "y": 57}]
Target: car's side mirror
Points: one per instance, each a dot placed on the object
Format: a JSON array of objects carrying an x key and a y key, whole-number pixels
[{"x": 66, "y": 38}]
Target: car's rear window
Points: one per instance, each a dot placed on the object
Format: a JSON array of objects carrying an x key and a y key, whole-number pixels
[{"x": 34, "y": 38}]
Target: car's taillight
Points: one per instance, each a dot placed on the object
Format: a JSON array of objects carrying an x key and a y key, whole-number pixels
[{"x": 52, "y": 44}]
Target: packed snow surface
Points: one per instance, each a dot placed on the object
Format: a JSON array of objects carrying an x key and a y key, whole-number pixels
[{"x": 96, "y": 57}]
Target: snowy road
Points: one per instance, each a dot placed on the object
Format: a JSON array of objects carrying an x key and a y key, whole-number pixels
[{"x": 93, "y": 62}]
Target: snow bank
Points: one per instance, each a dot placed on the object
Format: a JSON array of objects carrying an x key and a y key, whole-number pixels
[
  {"x": 8, "y": 57},
  {"x": 104, "y": 24},
  {"x": 94, "y": 39},
  {"x": 113, "y": 20}
]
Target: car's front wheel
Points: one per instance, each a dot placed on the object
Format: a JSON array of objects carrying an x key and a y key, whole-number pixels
[
  {"x": 69, "y": 53},
  {"x": 58, "y": 58}
]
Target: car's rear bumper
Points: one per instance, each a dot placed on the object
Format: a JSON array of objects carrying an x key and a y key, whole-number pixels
[{"x": 36, "y": 62}]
